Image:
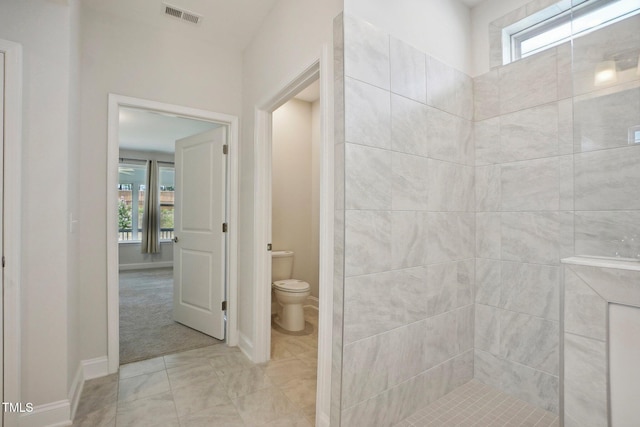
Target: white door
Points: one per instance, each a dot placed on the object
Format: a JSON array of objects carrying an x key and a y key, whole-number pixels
[{"x": 199, "y": 250}]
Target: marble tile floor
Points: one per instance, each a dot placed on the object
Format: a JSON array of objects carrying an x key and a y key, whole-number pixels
[
  {"x": 210, "y": 386},
  {"x": 479, "y": 405}
]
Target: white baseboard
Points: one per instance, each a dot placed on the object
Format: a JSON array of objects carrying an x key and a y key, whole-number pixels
[
  {"x": 95, "y": 368},
  {"x": 76, "y": 390},
  {"x": 55, "y": 414},
  {"x": 246, "y": 346},
  {"x": 145, "y": 265}
]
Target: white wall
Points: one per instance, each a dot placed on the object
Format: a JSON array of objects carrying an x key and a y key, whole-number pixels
[
  {"x": 481, "y": 16},
  {"x": 122, "y": 56},
  {"x": 289, "y": 41},
  {"x": 441, "y": 28},
  {"x": 44, "y": 29},
  {"x": 292, "y": 189}
]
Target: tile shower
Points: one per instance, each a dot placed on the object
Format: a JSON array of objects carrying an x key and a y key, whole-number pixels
[{"x": 456, "y": 199}]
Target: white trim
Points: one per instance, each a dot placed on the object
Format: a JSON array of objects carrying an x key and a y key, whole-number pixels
[
  {"x": 145, "y": 265},
  {"x": 54, "y": 414},
  {"x": 115, "y": 101},
  {"x": 327, "y": 215},
  {"x": 322, "y": 69},
  {"x": 245, "y": 345},
  {"x": 262, "y": 227},
  {"x": 12, "y": 224},
  {"x": 95, "y": 368},
  {"x": 312, "y": 302},
  {"x": 76, "y": 390}
]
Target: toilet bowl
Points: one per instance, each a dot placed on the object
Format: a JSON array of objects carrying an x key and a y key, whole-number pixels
[{"x": 289, "y": 293}]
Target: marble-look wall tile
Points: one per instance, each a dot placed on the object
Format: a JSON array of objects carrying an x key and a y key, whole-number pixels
[
  {"x": 565, "y": 165},
  {"x": 565, "y": 77},
  {"x": 487, "y": 368},
  {"x": 451, "y": 236},
  {"x": 608, "y": 179},
  {"x": 535, "y": 387},
  {"x": 486, "y": 95},
  {"x": 608, "y": 233},
  {"x": 488, "y": 329},
  {"x": 367, "y": 114},
  {"x": 531, "y": 289},
  {"x": 531, "y": 185},
  {"x": 529, "y": 82},
  {"x": 409, "y": 239},
  {"x": 488, "y": 188},
  {"x": 408, "y": 126},
  {"x": 566, "y": 236},
  {"x": 613, "y": 284},
  {"x": 603, "y": 118},
  {"x": 519, "y": 333},
  {"x": 447, "y": 335},
  {"x": 338, "y": 176},
  {"x": 377, "y": 303},
  {"x": 488, "y": 282},
  {"x": 531, "y": 237},
  {"x": 565, "y": 126},
  {"x": 585, "y": 312},
  {"x": 448, "y": 89},
  {"x": 450, "y": 137},
  {"x": 449, "y": 286},
  {"x": 396, "y": 403},
  {"x": 608, "y": 42},
  {"x": 367, "y": 242},
  {"x": 366, "y": 52},
  {"x": 486, "y": 135},
  {"x": 374, "y": 364},
  {"x": 410, "y": 181},
  {"x": 529, "y": 134},
  {"x": 488, "y": 235},
  {"x": 450, "y": 187},
  {"x": 367, "y": 178},
  {"x": 496, "y": 58},
  {"x": 408, "y": 71},
  {"x": 585, "y": 380}
]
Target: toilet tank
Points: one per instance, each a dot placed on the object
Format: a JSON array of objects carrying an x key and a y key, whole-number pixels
[{"x": 281, "y": 265}]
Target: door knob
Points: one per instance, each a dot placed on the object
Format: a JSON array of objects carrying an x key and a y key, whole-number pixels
[{"x": 175, "y": 239}]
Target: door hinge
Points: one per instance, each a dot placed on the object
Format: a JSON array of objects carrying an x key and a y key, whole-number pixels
[
  {"x": 225, "y": 149},
  {"x": 269, "y": 246},
  {"x": 224, "y": 227},
  {"x": 3, "y": 261},
  {"x": 224, "y": 306}
]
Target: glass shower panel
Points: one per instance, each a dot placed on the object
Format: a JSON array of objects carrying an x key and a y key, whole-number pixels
[{"x": 606, "y": 136}]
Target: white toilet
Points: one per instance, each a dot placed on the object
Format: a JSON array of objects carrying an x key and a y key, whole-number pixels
[{"x": 290, "y": 293}]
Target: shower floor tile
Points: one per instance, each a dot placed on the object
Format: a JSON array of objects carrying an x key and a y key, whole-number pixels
[{"x": 479, "y": 405}]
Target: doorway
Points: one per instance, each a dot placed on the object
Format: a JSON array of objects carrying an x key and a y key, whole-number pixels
[
  {"x": 151, "y": 275},
  {"x": 321, "y": 69}
]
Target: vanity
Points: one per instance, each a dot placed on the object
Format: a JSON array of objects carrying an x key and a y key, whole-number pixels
[{"x": 600, "y": 349}]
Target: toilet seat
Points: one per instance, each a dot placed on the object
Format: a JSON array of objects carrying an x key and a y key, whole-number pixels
[{"x": 291, "y": 285}]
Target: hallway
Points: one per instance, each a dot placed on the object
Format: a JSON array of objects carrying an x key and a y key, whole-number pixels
[{"x": 211, "y": 386}]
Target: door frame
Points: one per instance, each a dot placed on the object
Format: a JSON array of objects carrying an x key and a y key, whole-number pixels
[
  {"x": 113, "y": 147},
  {"x": 322, "y": 69},
  {"x": 12, "y": 235}
]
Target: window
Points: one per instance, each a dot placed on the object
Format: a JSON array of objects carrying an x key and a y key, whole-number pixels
[
  {"x": 559, "y": 23},
  {"x": 131, "y": 189}
]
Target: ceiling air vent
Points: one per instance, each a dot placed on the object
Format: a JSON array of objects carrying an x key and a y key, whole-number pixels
[{"x": 181, "y": 14}]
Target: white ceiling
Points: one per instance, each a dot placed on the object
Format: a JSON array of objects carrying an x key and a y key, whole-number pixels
[
  {"x": 471, "y": 3},
  {"x": 149, "y": 131},
  {"x": 229, "y": 22}
]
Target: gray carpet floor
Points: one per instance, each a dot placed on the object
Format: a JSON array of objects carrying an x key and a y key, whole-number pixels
[{"x": 147, "y": 328}]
